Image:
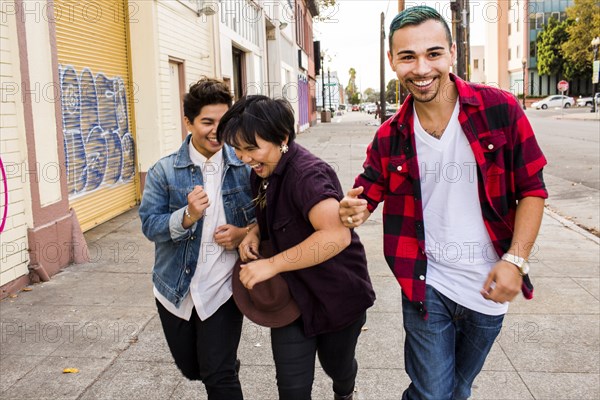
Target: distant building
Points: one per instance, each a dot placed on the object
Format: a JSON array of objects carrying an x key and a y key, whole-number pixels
[
  {"x": 512, "y": 28},
  {"x": 540, "y": 14},
  {"x": 477, "y": 64},
  {"x": 333, "y": 91}
]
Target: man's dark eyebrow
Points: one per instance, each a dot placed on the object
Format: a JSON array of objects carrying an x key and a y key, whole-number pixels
[
  {"x": 208, "y": 119},
  {"x": 435, "y": 48}
]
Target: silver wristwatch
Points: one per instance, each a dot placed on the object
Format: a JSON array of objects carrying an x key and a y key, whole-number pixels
[{"x": 519, "y": 262}]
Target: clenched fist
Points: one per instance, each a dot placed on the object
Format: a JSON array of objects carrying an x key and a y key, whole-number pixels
[{"x": 198, "y": 202}]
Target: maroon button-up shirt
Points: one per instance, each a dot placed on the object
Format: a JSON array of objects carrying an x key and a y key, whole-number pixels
[
  {"x": 509, "y": 168},
  {"x": 335, "y": 293}
]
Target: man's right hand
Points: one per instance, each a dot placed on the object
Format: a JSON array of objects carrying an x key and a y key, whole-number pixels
[
  {"x": 198, "y": 202},
  {"x": 353, "y": 210}
]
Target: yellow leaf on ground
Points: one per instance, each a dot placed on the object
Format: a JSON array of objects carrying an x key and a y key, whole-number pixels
[
  {"x": 70, "y": 371},
  {"x": 27, "y": 289}
]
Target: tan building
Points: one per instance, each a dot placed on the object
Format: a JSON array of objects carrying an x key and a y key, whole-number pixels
[
  {"x": 91, "y": 98},
  {"x": 477, "y": 64},
  {"x": 506, "y": 43}
]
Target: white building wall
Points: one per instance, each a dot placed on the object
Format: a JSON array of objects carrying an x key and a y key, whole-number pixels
[
  {"x": 491, "y": 51},
  {"x": 44, "y": 121},
  {"x": 242, "y": 25},
  {"x": 14, "y": 257},
  {"x": 515, "y": 46},
  {"x": 145, "y": 60},
  {"x": 185, "y": 36}
]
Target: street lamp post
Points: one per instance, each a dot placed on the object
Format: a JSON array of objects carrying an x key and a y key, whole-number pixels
[
  {"x": 323, "y": 78},
  {"x": 325, "y": 117},
  {"x": 524, "y": 62},
  {"x": 329, "y": 88},
  {"x": 595, "y": 73}
]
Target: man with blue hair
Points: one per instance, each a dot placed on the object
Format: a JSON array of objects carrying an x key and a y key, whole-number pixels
[{"x": 460, "y": 173}]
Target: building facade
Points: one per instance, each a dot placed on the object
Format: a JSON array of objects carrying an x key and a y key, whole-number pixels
[
  {"x": 333, "y": 91},
  {"x": 540, "y": 13},
  {"x": 91, "y": 97},
  {"x": 512, "y": 28},
  {"x": 477, "y": 64}
]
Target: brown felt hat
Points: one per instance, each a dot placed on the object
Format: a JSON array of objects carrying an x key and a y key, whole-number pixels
[{"x": 269, "y": 303}]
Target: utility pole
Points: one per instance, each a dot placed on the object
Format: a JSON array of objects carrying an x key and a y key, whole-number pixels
[
  {"x": 382, "y": 71},
  {"x": 401, "y": 94},
  {"x": 460, "y": 32}
]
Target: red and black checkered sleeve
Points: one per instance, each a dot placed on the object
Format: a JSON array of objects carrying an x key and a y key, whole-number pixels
[
  {"x": 529, "y": 160},
  {"x": 373, "y": 178}
]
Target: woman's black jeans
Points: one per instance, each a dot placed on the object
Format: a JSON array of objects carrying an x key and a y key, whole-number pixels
[{"x": 294, "y": 356}]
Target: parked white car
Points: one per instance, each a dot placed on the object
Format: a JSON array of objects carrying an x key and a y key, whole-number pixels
[
  {"x": 557, "y": 100},
  {"x": 370, "y": 108}
]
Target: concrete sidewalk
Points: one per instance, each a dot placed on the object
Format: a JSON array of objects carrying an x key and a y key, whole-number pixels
[{"x": 100, "y": 318}]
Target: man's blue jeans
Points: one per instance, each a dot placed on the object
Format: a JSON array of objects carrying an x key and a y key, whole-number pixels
[{"x": 444, "y": 353}]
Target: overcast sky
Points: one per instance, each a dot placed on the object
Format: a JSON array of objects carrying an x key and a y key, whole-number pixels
[{"x": 351, "y": 37}]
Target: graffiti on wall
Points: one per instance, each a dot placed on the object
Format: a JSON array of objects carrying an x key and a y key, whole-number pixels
[{"x": 99, "y": 149}]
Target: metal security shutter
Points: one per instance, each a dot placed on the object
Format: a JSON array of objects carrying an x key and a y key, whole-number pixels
[{"x": 96, "y": 100}]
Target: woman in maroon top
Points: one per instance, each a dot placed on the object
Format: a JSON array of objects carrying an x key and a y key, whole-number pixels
[{"x": 297, "y": 199}]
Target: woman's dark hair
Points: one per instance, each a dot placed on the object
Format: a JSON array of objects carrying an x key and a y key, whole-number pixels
[
  {"x": 271, "y": 119},
  {"x": 205, "y": 92}
]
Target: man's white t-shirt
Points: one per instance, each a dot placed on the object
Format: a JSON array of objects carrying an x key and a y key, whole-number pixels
[
  {"x": 459, "y": 250},
  {"x": 210, "y": 287}
]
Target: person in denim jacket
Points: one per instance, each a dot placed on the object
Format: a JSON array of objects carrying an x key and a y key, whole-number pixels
[{"x": 197, "y": 208}]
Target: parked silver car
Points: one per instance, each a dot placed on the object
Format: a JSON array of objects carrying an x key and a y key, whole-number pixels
[
  {"x": 557, "y": 100},
  {"x": 587, "y": 101}
]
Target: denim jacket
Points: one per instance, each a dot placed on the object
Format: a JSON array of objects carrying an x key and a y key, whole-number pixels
[{"x": 168, "y": 183}]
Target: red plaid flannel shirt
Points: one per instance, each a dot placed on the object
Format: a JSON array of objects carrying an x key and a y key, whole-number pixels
[{"x": 509, "y": 168}]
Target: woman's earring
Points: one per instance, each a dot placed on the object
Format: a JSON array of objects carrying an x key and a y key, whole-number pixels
[{"x": 283, "y": 148}]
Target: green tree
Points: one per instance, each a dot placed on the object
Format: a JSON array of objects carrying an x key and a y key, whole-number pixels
[
  {"x": 578, "y": 50},
  {"x": 390, "y": 92},
  {"x": 370, "y": 95},
  {"x": 550, "y": 60},
  {"x": 327, "y": 9},
  {"x": 354, "y": 99},
  {"x": 351, "y": 88}
]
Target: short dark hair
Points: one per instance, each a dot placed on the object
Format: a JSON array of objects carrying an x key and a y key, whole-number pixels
[
  {"x": 271, "y": 119},
  {"x": 416, "y": 16},
  {"x": 206, "y": 91}
]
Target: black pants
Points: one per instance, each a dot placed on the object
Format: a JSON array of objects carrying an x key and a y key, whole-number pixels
[
  {"x": 294, "y": 356},
  {"x": 207, "y": 350}
]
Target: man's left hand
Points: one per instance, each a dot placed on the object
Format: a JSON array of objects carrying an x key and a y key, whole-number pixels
[{"x": 503, "y": 283}]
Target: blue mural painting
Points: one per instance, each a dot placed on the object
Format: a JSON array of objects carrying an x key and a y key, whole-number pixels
[{"x": 99, "y": 148}]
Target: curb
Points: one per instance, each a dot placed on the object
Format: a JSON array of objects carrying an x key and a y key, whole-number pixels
[
  {"x": 571, "y": 225},
  {"x": 575, "y": 117}
]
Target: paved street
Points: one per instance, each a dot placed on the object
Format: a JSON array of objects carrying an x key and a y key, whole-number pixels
[
  {"x": 572, "y": 146},
  {"x": 100, "y": 317}
]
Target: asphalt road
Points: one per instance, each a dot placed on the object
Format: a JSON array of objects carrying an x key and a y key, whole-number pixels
[
  {"x": 572, "y": 147},
  {"x": 572, "y": 175}
]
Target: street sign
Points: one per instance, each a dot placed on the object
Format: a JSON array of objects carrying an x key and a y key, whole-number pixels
[
  {"x": 595, "y": 71},
  {"x": 562, "y": 86}
]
